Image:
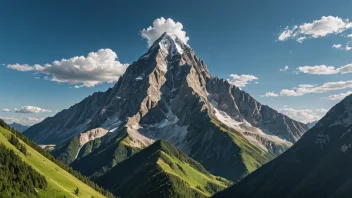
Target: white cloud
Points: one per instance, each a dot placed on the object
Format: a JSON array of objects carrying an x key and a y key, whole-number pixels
[
  {"x": 24, "y": 121},
  {"x": 349, "y": 36},
  {"x": 348, "y": 47},
  {"x": 22, "y": 68},
  {"x": 301, "y": 39},
  {"x": 285, "y": 68},
  {"x": 287, "y": 33},
  {"x": 31, "y": 109},
  {"x": 6, "y": 110},
  {"x": 307, "y": 88},
  {"x": 325, "y": 70},
  {"x": 304, "y": 115},
  {"x": 10, "y": 120},
  {"x": 32, "y": 120},
  {"x": 161, "y": 25},
  {"x": 318, "y": 28},
  {"x": 241, "y": 80},
  {"x": 318, "y": 69},
  {"x": 98, "y": 67},
  {"x": 270, "y": 94},
  {"x": 337, "y": 46},
  {"x": 338, "y": 96}
]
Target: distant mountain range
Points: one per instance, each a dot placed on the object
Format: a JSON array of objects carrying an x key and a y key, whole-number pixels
[
  {"x": 19, "y": 127},
  {"x": 168, "y": 94},
  {"x": 318, "y": 165},
  {"x": 312, "y": 124}
]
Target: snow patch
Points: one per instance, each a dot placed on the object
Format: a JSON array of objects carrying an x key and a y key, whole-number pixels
[
  {"x": 139, "y": 78},
  {"x": 169, "y": 45},
  {"x": 226, "y": 119},
  {"x": 252, "y": 134},
  {"x": 345, "y": 147}
]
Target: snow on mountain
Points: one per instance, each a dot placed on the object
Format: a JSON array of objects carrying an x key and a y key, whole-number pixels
[{"x": 169, "y": 94}]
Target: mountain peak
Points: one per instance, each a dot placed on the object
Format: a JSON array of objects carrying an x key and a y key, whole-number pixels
[{"x": 169, "y": 44}]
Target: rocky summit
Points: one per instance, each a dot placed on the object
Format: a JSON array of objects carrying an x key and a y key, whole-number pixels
[{"x": 169, "y": 94}]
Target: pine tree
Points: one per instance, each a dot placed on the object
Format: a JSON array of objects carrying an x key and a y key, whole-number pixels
[{"x": 77, "y": 191}]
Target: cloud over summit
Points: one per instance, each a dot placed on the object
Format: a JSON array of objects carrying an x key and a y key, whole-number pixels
[{"x": 161, "y": 25}]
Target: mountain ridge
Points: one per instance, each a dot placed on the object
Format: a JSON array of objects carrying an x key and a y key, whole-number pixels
[
  {"x": 161, "y": 163},
  {"x": 168, "y": 93},
  {"x": 19, "y": 127},
  {"x": 316, "y": 166}
]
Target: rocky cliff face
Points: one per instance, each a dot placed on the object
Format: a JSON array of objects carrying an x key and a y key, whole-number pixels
[
  {"x": 169, "y": 94},
  {"x": 318, "y": 165}
]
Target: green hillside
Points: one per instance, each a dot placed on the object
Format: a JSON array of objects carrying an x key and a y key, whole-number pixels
[
  {"x": 102, "y": 159},
  {"x": 18, "y": 179},
  {"x": 161, "y": 170},
  {"x": 68, "y": 152},
  {"x": 60, "y": 183}
]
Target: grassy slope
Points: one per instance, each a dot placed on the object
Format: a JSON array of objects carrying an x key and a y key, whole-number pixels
[
  {"x": 252, "y": 157},
  {"x": 60, "y": 182},
  {"x": 103, "y": 159},
  {"x": 161, "y": 170},
  {"x": 68, "y": 152},
  {"x": 197, "y": 180}
]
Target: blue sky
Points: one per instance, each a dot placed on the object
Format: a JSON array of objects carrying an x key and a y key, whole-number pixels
[{"x": 232, "y": 37}]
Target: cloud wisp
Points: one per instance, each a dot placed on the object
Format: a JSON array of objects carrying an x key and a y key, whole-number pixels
[
  {"x": 338, "y": 96},
  {"x": 98, "y": 67},
  {"x": 304, "y": 115},
  {"x": 309, "y": 88},
  {"x": 284, "y": 69},
  {"x": 241, "y": 80},
  {"x": 269, "y": 94},
  {"x": 337, "y": 46},
  {"x": 24, "y": 121},
  {"x": 31, "y": 109},
  {"x": 325, "y": 70}
]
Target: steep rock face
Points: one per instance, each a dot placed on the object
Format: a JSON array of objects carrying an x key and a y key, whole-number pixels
[
  {"x": 69, "y": 122},
  {"x": 318, "y": 165},
  {"x": 91, "y": 135},
  {"x": 169, "y": 94},
  {"x": 68, "y": 152}
]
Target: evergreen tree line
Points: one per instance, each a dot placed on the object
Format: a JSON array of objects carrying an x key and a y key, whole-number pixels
[
  {"x": 75, "y": 173},
  {"x": 14, "y": 141},
  {"x": 18, "y": 179}
]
